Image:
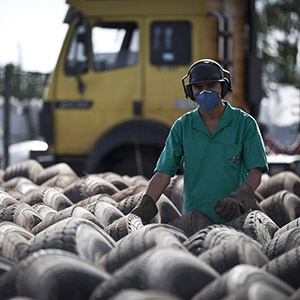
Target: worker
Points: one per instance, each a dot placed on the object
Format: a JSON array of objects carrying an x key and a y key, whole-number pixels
[{"x": 221, "y": 149}]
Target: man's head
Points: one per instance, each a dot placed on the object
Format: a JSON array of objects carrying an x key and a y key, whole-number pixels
[{"x": 206, "y": 72}]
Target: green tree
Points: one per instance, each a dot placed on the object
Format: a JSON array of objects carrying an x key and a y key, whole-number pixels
[
  {"x": 24, "y": 85},
  {"x": 278, "y": 40}
]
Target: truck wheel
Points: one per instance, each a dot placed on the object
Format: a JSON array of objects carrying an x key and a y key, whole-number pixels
[{"x": 131, "y": 160}]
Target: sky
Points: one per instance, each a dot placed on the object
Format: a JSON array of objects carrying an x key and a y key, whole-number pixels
[{"x": 32, "y": 33}]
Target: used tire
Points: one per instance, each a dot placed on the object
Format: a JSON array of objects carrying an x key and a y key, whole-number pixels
[
  {"x": 50, "y": 196},
  {"x": 105, "y": 212},
  {"x": 56, "y": 169},
  {"x": 76, "y": 235},
  {"x": 13, "y": 245},
  {"x": 6, "y": 199},
  {"x": 234, "y": 252},
  {"x": 211, "y": 236},
  {"x": 282, "y": 243},
  {"x": 282, "y": 207},
  {"x": 257, "y": 225},
  {"x": 52, "y": 274},
  {"x": 258, "y": 291},
  {"x": 72, "y": 211},
  {"x": 29, "y": 169},
  {"x": 134, "y": 294},
  {"x": 286, "y": 227},
  {"x": 238, "y": 277},
  {"x": 286, "y": 267},
  {"x": 12, "y": 227},
  {"x": 170, "y": 270},
  {"x": 137, "y": 243}
]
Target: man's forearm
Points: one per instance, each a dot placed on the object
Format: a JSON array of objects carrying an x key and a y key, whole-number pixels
[
  {"x": 254, "y": 178},
  {"x": 157, "y": 185}
]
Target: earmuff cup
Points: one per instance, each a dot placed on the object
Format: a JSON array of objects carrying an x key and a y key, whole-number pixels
[{"x": 226, "y": 87}]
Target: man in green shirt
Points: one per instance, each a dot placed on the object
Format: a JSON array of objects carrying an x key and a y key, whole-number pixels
[{"x": 222, "y": 150}]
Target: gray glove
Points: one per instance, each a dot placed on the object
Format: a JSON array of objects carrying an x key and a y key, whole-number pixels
[
  {"x": 236, "y": 203},
  {"x": 146, "y": 209}
]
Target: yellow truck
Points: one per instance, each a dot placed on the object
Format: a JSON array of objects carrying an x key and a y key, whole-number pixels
[{"x": 116, "y": 89}]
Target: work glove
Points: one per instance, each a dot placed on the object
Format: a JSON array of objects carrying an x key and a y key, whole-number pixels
[
  {"x": 146, "y": 209},
  {"x": 236, "y": 203}
]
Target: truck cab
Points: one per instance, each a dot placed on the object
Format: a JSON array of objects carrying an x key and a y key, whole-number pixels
[{"x": 116, "y": 89}]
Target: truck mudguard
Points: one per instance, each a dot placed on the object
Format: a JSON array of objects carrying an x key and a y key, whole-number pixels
[{"x": 142, "y": 132}]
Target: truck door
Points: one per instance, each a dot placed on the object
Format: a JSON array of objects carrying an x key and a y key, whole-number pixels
[{"x": 97, "y": 82}]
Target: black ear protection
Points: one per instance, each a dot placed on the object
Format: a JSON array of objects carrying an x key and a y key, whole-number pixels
[{"x": 204, "y": 71}]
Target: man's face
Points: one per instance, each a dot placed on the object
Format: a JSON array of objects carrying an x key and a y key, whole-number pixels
[{"x": 210, "y": 86}]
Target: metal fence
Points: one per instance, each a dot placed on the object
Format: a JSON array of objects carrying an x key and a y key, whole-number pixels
[{"x": 20, "y": 104}]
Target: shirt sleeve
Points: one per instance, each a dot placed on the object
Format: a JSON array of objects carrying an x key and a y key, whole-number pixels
[
  {"x": 254, "y": 154},
  {"x": 171, "y": 156}
]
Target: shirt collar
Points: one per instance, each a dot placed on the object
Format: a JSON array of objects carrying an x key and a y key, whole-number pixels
[{"x": 225, "y": 120}]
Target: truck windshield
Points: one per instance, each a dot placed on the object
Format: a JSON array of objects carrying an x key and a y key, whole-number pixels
[{"x": 114, "y": 45}]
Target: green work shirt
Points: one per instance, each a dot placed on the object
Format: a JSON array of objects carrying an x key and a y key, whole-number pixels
[{"x": 214, "y": 165}]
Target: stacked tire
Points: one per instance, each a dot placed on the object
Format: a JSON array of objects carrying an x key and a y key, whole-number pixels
[{"x": 69, "y": 237}]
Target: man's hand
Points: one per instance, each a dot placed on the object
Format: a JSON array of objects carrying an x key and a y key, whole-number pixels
[
  {"x": 146, "y": 209},
  {"x": 236, "y": 203}
]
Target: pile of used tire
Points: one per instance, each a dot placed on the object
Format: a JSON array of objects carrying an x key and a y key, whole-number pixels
[{"x": 69, "y": 237}]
